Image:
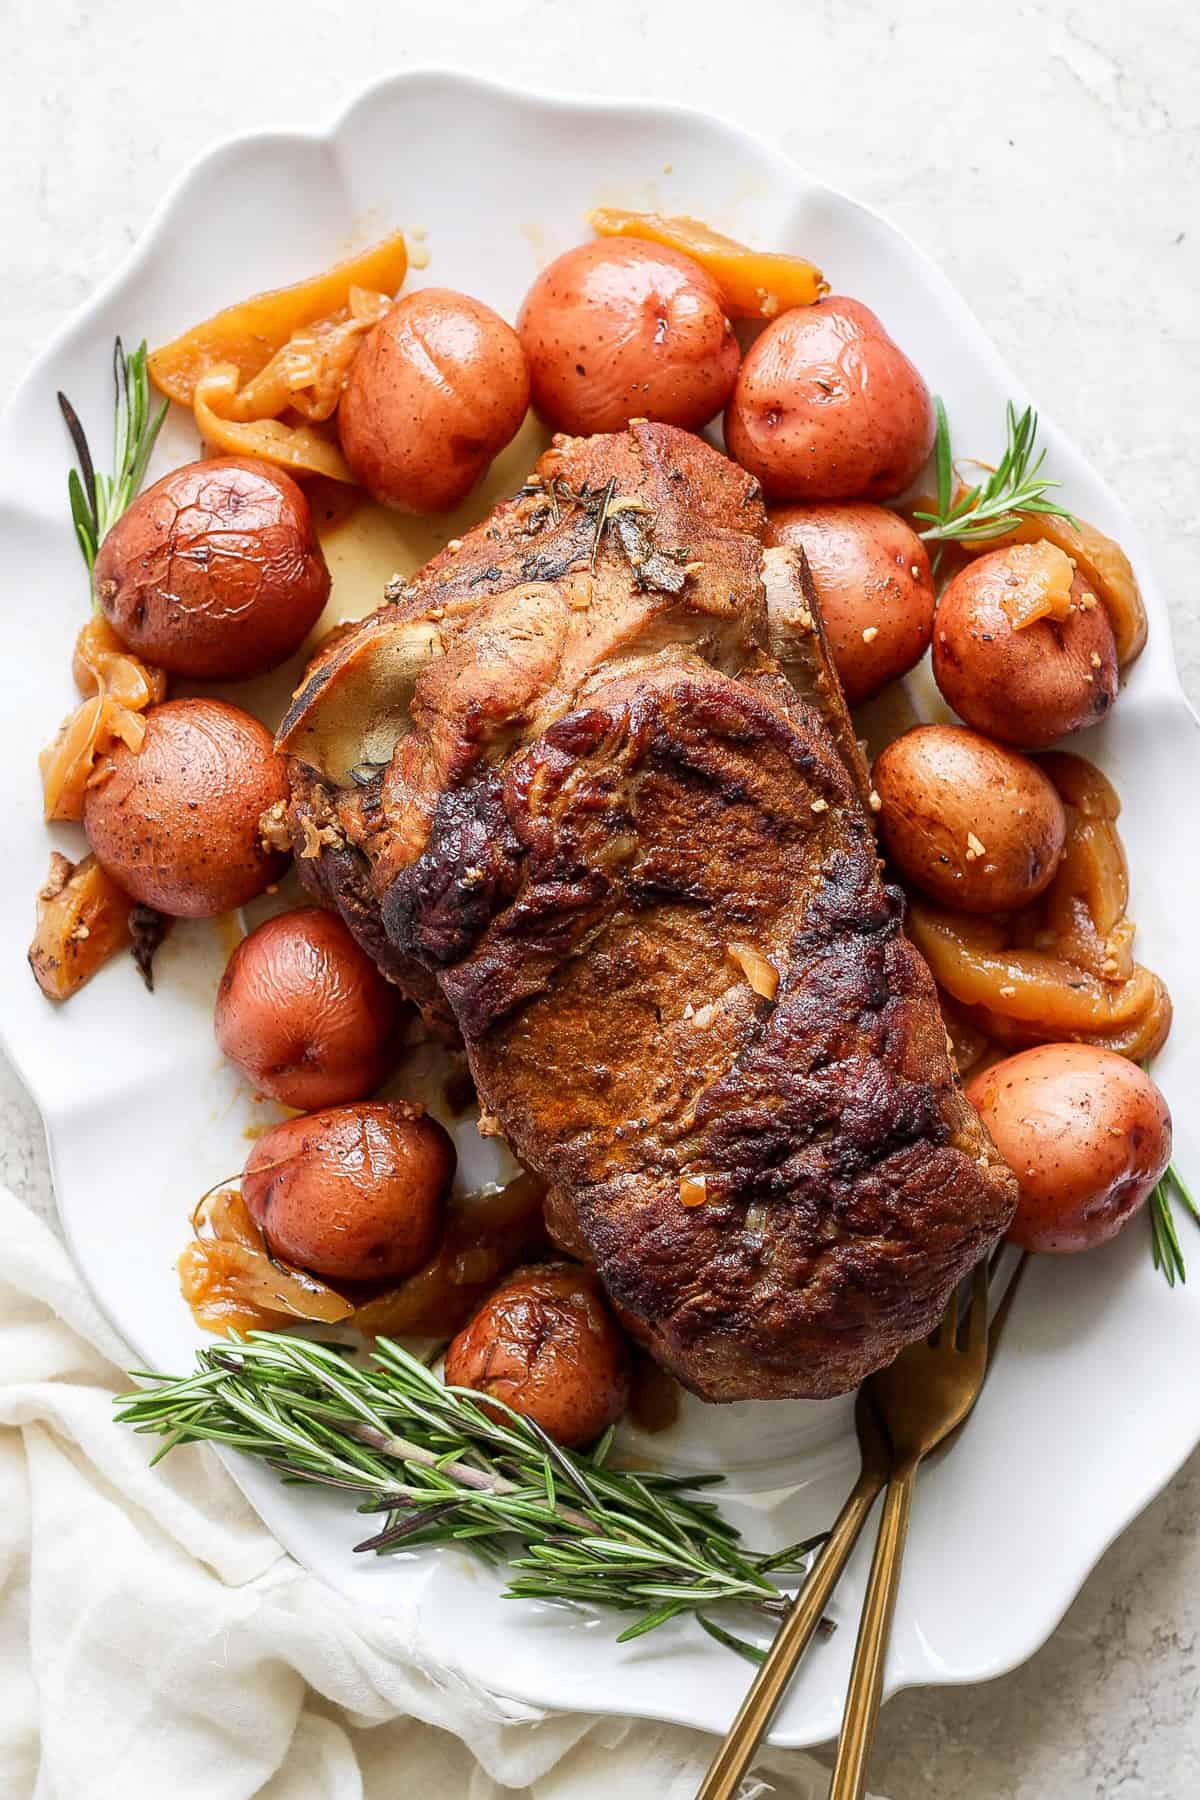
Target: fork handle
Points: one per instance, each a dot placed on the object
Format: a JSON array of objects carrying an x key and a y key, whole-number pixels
[
  {"x": 790, "y": 1642},
  {"x": 866, "y": 1676}
]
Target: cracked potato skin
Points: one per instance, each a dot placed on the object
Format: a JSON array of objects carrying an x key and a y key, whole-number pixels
[
  {"x": 215, "y": 572},
  {"x": 547, "y": 1345}
]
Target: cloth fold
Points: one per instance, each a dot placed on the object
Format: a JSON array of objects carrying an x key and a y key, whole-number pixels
[{"x": 156, "y": 1640}]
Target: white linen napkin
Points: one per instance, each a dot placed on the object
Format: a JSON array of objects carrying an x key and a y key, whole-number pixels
[{"x": 155, "y": 1640}]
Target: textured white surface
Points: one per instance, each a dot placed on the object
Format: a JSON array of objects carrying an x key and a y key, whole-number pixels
[{"x": 1048, "y": 158}]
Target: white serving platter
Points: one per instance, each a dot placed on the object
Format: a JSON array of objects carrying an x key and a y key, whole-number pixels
[{"x": 1082, "y": 1421}]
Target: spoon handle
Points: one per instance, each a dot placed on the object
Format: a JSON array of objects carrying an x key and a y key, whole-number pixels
[{"x": 767, "y": 1689}]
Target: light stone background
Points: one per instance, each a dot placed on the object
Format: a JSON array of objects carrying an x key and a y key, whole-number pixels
[{"x": 1047, "y": 156}]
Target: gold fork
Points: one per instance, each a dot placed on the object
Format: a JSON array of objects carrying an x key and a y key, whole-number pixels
[
  {"x": 958, "y": 1380},
  {"x": 918, "y": 1400}
]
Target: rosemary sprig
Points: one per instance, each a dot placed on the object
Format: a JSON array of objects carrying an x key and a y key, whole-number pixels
[
  {"x": 442, "y": 1470},
  {"x": 1015, "y": 488},
  {"x": 1164, "y": 1238},
  {"x": 97, "y": 501}
]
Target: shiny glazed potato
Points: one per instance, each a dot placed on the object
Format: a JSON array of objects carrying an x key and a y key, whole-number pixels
[
  {"x": 176, "y": 822},
  {"x": 1027, "y": 684},
  {"x": 214, "y": 572},
  {"x": 438, "y": 388},
  {"x": 972, "y": 825},
  {"x": 354, "y": 1193},
  {"x": 622, "y": 330},
  {"x": 827, "y": 407},
  {"x": 874, "y": 586},
  {"x": 1086, "y": 1133},
  {"x": 548, "y": 1346},
  {"x": 304, "y": 1013}
]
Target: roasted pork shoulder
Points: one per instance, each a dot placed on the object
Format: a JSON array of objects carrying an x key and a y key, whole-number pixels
[{"x": 587, "y": 790}]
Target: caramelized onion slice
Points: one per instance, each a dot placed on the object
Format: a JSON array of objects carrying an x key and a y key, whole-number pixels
[
  {"x": 1030, "y": 986},
  {"x": 82, "y": 921},
  {"x": 249, "y": 333},
  {"x": 300, "y": 449},
  {"x": 230, "y": 1281},
  {"x": 102, "y": 664},
  {"x": 309, "y": 372},
  {"x": 486, "y": 1235},
  {"x": 71, "y": 764},
  {"x": 754, "y": 284},
  {"x": 1103, "y": 565}
]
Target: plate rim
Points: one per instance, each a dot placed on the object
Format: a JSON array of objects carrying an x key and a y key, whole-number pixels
[{"x": 781, "y": 166}]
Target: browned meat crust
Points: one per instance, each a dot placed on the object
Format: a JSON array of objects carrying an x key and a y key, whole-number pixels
[
  {"x": 584, "y": 780},
  {"x": 578, "y": 909}
]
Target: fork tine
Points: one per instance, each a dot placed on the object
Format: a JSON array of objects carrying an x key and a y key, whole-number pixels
[
  {"x": 1000, "y": 1318},
  {"x": 947, "y": 1331},
  {"x": 977, "y": 1314}
]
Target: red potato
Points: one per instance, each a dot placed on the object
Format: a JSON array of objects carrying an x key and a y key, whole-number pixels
[
  {"x": 1031, "y": 684},
  {"x": 548, "y": 1346},
  {"x": 1087, "y": 1135},
  {"x": 214, "y": 572},
  {"x": 437, "y": 390},
  {"x": 354, "y": 1193},
  {"x": 874, "y": 586},
  {"x": 974, "y": 826},
  {"x": 304, "y": 1013},
  {"x": 622, "y": 329},
  {"x": 827, "y": 407},
  {"x": 176, "y": 823}
]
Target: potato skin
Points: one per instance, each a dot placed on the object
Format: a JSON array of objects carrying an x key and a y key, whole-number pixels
[
  {"x": 1024, "y": 687},
  {"x": 176, "y": 823},
  {"x": 304, "y": 1013},
  {"x": 873, "y": 575},
  {"x": 938, "y": 786},
  {"x": 1086, "y": 1133},
  {"x": 622, "y": 329},
  {"x": 438, "y": 388},
  {"x": 547, "y": 1345},
  {"x": 354, "y": 1193},
  {"x": 214, "y": 572},
  {"x": 827, "y": 407}
]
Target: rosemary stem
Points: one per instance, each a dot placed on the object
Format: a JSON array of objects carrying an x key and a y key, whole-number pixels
[{"x": 461, "y": 1472}]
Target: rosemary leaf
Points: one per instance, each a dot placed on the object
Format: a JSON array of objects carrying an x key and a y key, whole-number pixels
[
  {"x": 98, "y": 501},
  {"x": 1015, "y": 488},
  {"x": 445, "y": 1466}
]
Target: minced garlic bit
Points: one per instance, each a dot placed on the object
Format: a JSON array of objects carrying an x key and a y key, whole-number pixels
[
  {"x": 1008, "y": 992},
  {"x": 874, "y": 802},
  {"x": 1095, "y": 660},
  {"x": 915, "y": 572},
  {"x": 819, "y": 806},
  {"x": 974, "y": 847},
  {"x": 454, "y": 545},
  {"x": 693, "y": 1190},
  {"x": 762, "y": 975},
  {"x": 1087, "y": 601},
  {"x": 870, "y": 634}
]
